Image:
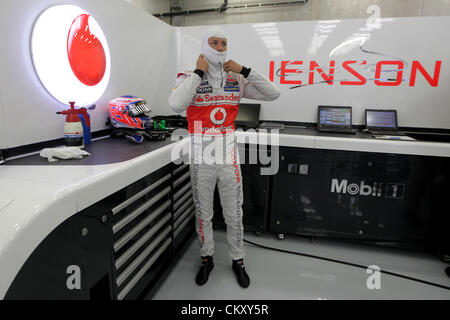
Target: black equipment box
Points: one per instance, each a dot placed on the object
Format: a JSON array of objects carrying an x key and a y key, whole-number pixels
[
  {"x": 256, "y": 188},
  {"x": 362, "y": 195}
]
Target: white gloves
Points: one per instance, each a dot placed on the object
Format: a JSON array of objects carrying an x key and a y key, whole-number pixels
[{"x": 63, "y": 153}]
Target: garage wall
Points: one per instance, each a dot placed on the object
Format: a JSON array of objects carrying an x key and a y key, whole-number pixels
[
  {"x": 145, "y": 58},
  {"x": 312, "y": 10},
  {"x": 142, "y": 58},
  {"x": 3, "y": 137},
  {"x": 369, "y": 45}
]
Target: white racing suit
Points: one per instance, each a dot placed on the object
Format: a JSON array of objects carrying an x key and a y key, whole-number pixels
[{"x": 211, "y": 113}]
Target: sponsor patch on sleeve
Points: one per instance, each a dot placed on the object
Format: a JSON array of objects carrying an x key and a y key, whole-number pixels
[{"x": 204, "y": 87}]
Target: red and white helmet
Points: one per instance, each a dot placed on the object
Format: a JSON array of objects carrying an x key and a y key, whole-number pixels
[{"x": 129, "y": 112}]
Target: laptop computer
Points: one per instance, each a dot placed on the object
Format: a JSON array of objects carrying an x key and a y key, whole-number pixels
[
  {"x": 382, "y": 122},
  {"x": 335, "y": 119},
  {"x": 248, "y": 116}
]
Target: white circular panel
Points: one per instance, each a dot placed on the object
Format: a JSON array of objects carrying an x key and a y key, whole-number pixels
[{"x": 49, "y": 48}]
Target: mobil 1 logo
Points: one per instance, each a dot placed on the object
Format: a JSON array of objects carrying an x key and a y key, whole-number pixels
[
  {"x": 374, "y": 189},
  {"x": 395, "y": 190}
]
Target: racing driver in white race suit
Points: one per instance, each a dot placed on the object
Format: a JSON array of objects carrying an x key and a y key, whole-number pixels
[{"x": 210, "y": 96}]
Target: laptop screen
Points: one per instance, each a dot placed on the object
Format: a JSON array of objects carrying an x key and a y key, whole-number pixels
[
  {"x": 335, "y": 116},
  {"x": 381, "y": 119},
  {"x": 248, "y": 113}
]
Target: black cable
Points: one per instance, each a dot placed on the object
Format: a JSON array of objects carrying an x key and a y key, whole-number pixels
[{"x": 349, "y": 264}]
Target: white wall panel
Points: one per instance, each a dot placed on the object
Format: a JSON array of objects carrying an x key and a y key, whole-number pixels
[
  {"x": 436, "y": 7},
  {"x": 3, "y": 138},
  {"x": 255, "y": 45},
  {"x": 312, "y": 10}
]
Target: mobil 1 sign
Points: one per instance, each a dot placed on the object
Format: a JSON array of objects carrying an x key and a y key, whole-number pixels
[{"x": 363, "y": 188}]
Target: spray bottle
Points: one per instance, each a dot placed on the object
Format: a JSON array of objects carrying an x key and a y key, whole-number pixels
[{"x": 73, "y": 129}]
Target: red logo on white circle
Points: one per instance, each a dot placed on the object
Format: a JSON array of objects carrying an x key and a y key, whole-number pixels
[
  {"x": 71, "y": 55},
  {"x": 85, "y": 52},
  {"x": 218, "y": 115}
]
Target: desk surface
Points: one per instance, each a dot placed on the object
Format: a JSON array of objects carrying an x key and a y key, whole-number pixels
[
  {"x": 115, "y": 150},
  {"x": 36, "y": 197},
  {"x": 103, "y": 151},
  {"x": 359, "y": 142}
]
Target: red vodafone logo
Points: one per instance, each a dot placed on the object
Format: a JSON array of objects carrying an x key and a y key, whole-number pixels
[
  {"x": 85, "y": 52},
  {"x": 218, "y": 115},
  {"x": 71, "y": 55}
]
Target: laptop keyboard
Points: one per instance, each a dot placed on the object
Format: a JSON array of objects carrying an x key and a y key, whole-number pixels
[
  {"x": 337, "y": 130},
  {"x": 385, "y": 132}
]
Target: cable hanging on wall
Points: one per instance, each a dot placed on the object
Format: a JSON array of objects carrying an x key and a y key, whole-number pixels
[{"x": 225, "y": 6}]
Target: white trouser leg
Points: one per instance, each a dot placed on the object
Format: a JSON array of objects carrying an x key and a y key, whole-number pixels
[
  {"x": 229, "y": 182},
  {"x": 203, "y": 179}
]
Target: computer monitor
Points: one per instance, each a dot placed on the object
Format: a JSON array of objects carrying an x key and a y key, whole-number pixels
[
  {"x": 248, "y": 115},
  {"x": 335, "y": 117},
  {"x": 381, "y": 119}
]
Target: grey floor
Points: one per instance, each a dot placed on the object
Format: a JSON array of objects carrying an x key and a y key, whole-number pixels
[{"x": 276, "y": 275}]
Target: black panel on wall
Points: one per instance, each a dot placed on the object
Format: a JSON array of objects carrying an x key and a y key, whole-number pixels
[
  {"x": 96, "y": 253},
  {"x": 256, "y": 189}
]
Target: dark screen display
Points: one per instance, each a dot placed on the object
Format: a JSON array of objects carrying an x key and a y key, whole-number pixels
[
  {"x": 331, "y": 116},
  {"x": 381, "y": 119},
  {"x": 248, "y": 112}
]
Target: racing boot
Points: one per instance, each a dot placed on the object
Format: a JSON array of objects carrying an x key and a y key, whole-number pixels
[
  {"x": 205, "y": 269},
  {"x": 241, "y": 275}
]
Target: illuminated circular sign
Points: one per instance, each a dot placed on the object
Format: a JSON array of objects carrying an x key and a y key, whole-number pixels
[{"x": 71, "y": 55}]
